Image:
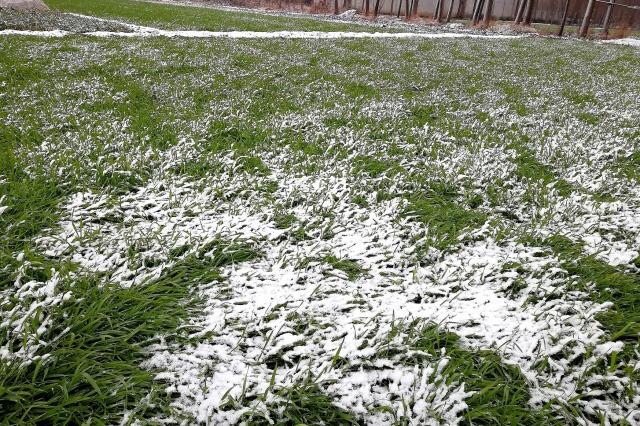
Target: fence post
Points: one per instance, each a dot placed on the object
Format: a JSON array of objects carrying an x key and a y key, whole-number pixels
[
  {"x": 584, "y": 28},
  {"x": 564, "y": 18},
  {"x": 450, "y": 11},
  {"x": 376, "y": 8},
  {"x": 607, "y": 18},
  {"x": 529, "y": 16},
  {"x": 462, "y": 8},
  {"x": 478, "y": 12},
  {"x": 414, "y": 11},
  {"x": 488, "y": 12},
  {"x": 520, "y": 13}
]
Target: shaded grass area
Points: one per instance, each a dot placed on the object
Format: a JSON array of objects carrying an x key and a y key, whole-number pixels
[
  {"x": 91, "y": 373},
  {"x": 195, "y": 18},
  {"x": 500, "y": 392},
  {"x": 621, "y": 288},
  {"x": 30, "y": 20}
]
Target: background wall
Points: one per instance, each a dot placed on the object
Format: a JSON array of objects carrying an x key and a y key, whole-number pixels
[{"x": 547, "y": 11}]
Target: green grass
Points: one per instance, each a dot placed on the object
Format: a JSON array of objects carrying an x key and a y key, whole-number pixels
[
  {"x": 302, "y": 403},
  {"x": 532, "y": 170},
  {"x": 500, "y": 392},
  {"x": 612, "y": 284},
  {"x": 195, "y": 18},
  {"x": 375, "y": 167},
  {"x": 394, "y": 120},
  {"x": 445, "y": 217},
  {"x": 629, "y": 167},
  {"x": 32, "y": 201},
  {"x": 349, "y": 267},
  {"x": 92, "y": 372}
]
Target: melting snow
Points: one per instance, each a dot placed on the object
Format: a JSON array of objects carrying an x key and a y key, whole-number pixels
[
  {"x": 629, "y": 41},
  {"x": 153, "y": 32}
]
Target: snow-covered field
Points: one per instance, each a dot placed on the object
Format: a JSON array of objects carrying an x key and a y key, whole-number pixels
[{"x": 411, "y": 231}]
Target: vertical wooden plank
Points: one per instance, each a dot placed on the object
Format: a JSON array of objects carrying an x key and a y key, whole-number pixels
[
  {"x": 607, "y": 19},
  {"x": 584, "y": 28},
  {"x": 414, "y": 12},
  {"x": 473, "y": 9},
  {"x": 529, "y": 15},
  {"x": 462, "y": 9},
  {"x": 564, "y": 18},
  {"x": 376, "y": 8},
  {"x": 450, "y": 11},
  {"x": 478, "y": 12},
  {"x": 520, "y": 13},
  {"x": 488, "y": 13}
]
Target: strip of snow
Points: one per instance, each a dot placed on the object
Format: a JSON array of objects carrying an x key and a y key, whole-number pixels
[
  {"x": 153, "y": 32},
  {"x": 52, "y": 33},
  {"x": 629, "y": 41},
  {"x": 3, "y": 208}
]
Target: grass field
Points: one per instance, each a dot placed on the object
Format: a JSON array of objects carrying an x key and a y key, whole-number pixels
[
  {"x": 172, "y": 17},
  {"x": 316, "y": 231}
]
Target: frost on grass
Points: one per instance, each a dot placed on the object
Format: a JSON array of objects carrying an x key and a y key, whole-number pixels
[
  {"x": 287, "y": 316},
  {"x": 374, "y": 204}
]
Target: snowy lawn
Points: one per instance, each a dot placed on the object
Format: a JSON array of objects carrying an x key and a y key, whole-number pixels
[{"x": 311, "y": 231}]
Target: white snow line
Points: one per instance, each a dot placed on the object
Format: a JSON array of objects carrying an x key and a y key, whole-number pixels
[
  {"x": 3, "y": 208},
  {"x": 153, "y": 32},
  {"x": 629, "y": 41}
]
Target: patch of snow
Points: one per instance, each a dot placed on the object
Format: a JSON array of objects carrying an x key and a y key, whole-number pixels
[
  {"x": 52, "y": 33},
  {"x": 252, "y": 319},
  {"x": 16, "y": 318},
  {"x": 5, "y": 207},
  {"x": 629, "y": 41},
  {"x": 348, "y": 13},
  {"x": 328, "y": 35}
]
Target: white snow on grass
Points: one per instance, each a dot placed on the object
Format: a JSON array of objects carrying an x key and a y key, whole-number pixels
[
  {"x": 291, "y": 312},
  {"x": 328, "y": 35},
  {"x": 3, "y": 208},
  {"x": 629, "y": 41},
  {"x": 17, "y": 318},
  {"x": 252, "y": 322}
]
